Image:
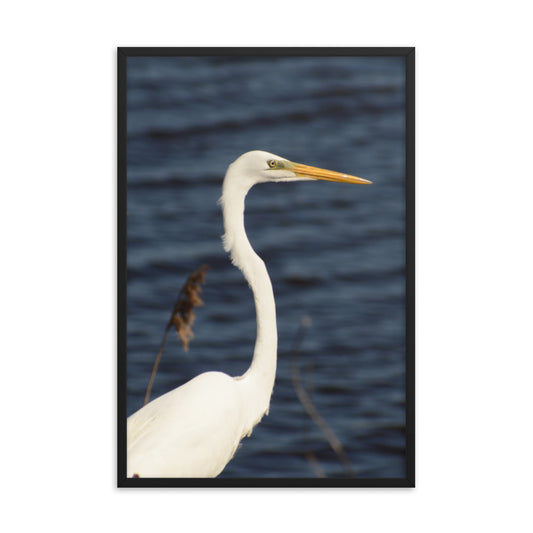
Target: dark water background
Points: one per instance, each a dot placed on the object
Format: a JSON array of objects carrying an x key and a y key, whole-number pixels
[{"x": 335, "y": 252}]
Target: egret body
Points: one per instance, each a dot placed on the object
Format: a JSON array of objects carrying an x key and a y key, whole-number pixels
[{"x": 194, "y": 430}]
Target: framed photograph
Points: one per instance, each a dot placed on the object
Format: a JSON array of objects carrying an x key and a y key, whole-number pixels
[{"x": 266, "y": 267}]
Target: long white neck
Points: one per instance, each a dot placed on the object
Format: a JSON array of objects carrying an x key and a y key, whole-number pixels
[{"x": 258, "y": 381}]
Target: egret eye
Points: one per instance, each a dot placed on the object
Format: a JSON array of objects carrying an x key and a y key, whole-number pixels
[{"x": 272, "y": 163}]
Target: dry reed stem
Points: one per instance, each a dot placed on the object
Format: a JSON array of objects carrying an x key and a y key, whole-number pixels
[
  {"x": 312, "y": 411},
  {"x": 182, "y": 318}
]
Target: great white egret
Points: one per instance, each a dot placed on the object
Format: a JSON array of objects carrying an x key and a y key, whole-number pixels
[{"x": 194, "y": 430}]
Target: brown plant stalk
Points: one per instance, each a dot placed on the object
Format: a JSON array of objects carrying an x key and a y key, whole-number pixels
[
  {"x": 312, "y": 411},
  {"x": 182, "y": 318}
]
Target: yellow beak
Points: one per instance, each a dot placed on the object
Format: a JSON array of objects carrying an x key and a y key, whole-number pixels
[{"x": 306, "y": 171}]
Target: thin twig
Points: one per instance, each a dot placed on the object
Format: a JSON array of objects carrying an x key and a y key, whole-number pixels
[
  {"x": 182, "y": 318},
  {"x": 308, "y": 405},
  {"x": 156, "y": 364}
]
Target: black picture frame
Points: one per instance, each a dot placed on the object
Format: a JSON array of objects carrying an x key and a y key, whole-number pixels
[{"x": 409, "y": 54}]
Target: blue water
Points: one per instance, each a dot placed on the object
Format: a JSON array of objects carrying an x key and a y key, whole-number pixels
[{"x": 335, "y": 252}]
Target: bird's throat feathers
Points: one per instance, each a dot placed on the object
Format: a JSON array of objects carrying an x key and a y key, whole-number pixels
[{"x": 235, "y": 241}]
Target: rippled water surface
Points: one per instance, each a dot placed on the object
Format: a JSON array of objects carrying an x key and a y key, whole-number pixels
[{"x": 335, "y": 252}]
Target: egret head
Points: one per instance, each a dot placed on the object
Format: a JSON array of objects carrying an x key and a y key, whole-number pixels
[{"x": 260, "y": 167}]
